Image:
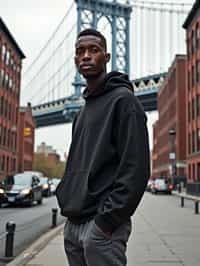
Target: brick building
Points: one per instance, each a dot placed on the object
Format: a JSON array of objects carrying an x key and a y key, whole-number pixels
[
  {"x": 26, "y": 135},
  {"x": 172, "y": 115},
  {"x": 192, "y": 26},
  {"x": 48, "y": 152},
  {"x": 10, "y": 78}
]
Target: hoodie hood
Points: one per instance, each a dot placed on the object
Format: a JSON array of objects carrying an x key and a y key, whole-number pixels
[{"x": 111, "y": 81}]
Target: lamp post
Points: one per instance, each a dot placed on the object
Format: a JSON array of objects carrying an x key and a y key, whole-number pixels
[{"x": 172, "y": 154}]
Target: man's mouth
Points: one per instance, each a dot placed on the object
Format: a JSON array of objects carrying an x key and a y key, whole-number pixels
[{"x": 86, "y": 66}]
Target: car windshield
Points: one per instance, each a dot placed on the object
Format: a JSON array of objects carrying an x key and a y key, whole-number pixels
[
  {"x": 43, "y": 180},
  {"x": 21, "y": 179},
  {"x": 160, "y": 181}
]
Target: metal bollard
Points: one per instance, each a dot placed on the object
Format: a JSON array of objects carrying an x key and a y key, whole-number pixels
[
  {"x": 196, "y": 207},
  {"x": 54, "y": 217},
  {"x": 10, "y": 229},
  {"x": 182, "y": 202}
]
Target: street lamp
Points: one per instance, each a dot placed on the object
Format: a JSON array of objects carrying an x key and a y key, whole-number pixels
[{"x": 172, "y": 154}]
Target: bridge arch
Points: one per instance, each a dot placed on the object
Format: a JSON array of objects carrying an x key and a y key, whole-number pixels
[{"x": 89, "y": 13}]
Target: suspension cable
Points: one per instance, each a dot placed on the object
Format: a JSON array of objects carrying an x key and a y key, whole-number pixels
[
  {"x": 160, "y": 3},
  {"x": 50, "y": 57},
  {"x": 57, "y": 84},
  {"x": 52, "y": 76},
  {"x": 50, "y": 39},
  {"x": 153, "y": 6},
  {"x": 161, "y": 9}
]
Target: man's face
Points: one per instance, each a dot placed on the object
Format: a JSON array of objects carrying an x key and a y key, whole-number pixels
[{"x": 90, "y": 56}]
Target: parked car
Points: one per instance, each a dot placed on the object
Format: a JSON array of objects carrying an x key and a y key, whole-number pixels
[
  {"x": 2, "y": 193},
  {"x": 55, "y": 182},
  {"x": 46, "y": 186},
  {"x": 149, "y": 185},
  {"x": 36, "y": 173},
  {"x": 161, "y": 185},
  {"x": 23, "y": 188}
]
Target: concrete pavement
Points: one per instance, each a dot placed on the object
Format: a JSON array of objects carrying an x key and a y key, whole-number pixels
[{"x": 163, "y": 235}]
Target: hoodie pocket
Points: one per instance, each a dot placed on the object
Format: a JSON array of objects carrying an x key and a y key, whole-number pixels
[{"x": 72, "y": 191}]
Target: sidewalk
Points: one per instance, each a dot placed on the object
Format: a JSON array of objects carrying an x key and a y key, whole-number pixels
[
  {"x": 163, "y": 235},
  {"x": 52, "y": 255}
]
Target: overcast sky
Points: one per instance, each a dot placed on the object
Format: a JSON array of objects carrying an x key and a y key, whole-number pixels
[{"x": 32, "y": 22}]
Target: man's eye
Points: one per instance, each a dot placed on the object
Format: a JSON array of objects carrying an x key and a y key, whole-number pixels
[
  {"x": 94, "y": 50},
  {"x": 79, "y": 51}
]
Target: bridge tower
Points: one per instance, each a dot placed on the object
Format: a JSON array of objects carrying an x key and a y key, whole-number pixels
[{"x": 89, "y": 12}]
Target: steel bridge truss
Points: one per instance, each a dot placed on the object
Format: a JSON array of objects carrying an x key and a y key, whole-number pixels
[{"x": 89, "y": 13}]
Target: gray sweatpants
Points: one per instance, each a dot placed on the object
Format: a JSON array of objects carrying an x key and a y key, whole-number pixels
[{"x": 85, "y": 245}]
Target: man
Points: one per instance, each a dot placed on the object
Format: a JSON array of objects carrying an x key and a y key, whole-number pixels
[{"x": 108, "y": 164}]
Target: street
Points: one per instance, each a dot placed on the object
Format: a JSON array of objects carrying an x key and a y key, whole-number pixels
[{"x": 31, "y": 222}]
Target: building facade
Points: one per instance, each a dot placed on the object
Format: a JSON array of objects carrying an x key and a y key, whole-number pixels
[
  {"x": 48, "y": 152},
  {"x": 25, "y": 147},
  {"x": 169, "y": 151},
  {"x": 192, "y": 26},
  {"x": 10, "y": 79}
]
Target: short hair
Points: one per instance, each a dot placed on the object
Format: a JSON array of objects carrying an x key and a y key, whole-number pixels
[{"x": 94, "y": 33}]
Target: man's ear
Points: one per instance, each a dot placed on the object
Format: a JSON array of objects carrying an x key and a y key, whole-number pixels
[{"x": 107, "y": 57}]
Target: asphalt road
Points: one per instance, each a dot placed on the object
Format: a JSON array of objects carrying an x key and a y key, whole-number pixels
[{"x": 31, "y": 222}]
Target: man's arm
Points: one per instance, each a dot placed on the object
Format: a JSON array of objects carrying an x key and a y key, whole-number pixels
[{"x": 132, "y": 146}]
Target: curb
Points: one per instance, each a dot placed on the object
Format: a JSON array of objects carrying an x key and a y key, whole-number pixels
[{"x": 36, "y": 247}]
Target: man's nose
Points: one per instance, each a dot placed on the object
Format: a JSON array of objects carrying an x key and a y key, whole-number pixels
[{"x": 86, "y": 55}]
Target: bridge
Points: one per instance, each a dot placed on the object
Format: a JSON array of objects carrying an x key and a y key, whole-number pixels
[
  {"x": 63, "y": 110},
  {"x": 51, "y": 82}
]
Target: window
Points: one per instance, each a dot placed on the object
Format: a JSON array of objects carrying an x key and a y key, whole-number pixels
[
  {"x": 198, "y": 71},
  {"x": 8, "y": 164},
  {"x": 6, "y": 81},
  {"x": 193, "y": 76},
  {"x": 198, "y": 105},
  {"x": 3, "y": 52},
  {"x": 193, "y": 171},
  {"x": 193, "y": 109},
  {"x": 10, "y": 84},
  {"x": 198, "y": 171},
  {"x": 189, "y": 143},
  {"x": 1, "y": 132},
  {"x": 193, "y": 141},
  {"x": 1, "y": 105},
  {"x": 188, "y": 48},
  {"x": 189, "y": 112},
  {"x": 7, "y": 57},
  {"x": 189, "y": 80},
  {"x": 189, "y": 170},
  {"x": 193, "y": 42},
  {"x": 3, "y": 163},
  {"x": 2, "y": 78},
  {"x": 197, "y": 35},
  {"x": 198, "y": 139},
  {"x": 13, "y": 164}
]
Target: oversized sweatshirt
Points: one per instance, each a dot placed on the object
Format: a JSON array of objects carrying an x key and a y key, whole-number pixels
[{"x": 108, "y": 164}]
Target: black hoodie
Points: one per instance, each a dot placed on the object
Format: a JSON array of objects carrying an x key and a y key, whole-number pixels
[{"x": 108, "y": 163}]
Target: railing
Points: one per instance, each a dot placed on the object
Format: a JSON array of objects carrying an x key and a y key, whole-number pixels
[{"x": 183, "y": 196}]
